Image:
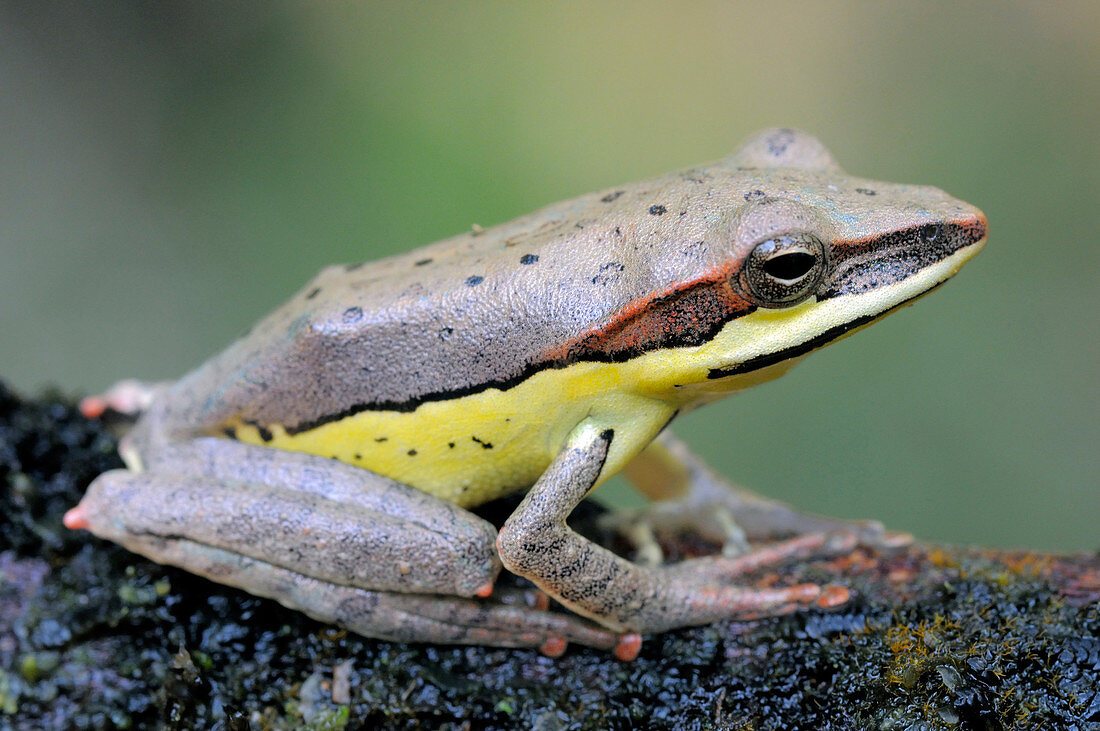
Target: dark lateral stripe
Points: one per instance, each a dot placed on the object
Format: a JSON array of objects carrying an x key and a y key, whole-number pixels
[
  {"x": 768, "y": 359},
  {"x": 621, "y": 340},
  {"x": 412, "y": 404},
  {"x": 692, "y": 315}
]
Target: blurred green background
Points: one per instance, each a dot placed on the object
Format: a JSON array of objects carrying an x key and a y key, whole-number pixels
[{"x": 169, "y": 172}]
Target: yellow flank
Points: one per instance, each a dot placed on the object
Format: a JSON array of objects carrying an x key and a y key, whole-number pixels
[
  {"x": 474, "y": 448},
  {"x": 471, "y": 449}
]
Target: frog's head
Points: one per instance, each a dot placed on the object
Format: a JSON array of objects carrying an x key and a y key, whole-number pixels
[
  {"x": 782, "y": 253},
  {"x": 819, "y": 254}
]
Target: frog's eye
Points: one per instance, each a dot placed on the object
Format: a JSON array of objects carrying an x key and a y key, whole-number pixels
[{"x": 783, "y": 271}]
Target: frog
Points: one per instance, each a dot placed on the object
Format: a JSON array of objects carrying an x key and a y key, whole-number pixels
[{"x": 332, "y": 456}]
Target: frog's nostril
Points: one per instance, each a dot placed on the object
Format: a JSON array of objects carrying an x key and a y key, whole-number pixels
[{"x": 931, "y": 232}]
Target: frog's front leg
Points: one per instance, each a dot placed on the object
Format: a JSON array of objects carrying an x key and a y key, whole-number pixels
[
  {"x": 339, "y": 543},
  {"x": 688, "y": 494},
  {"x": 536, "y": 543}
]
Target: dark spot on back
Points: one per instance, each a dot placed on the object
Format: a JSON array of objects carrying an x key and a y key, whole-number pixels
[
  {"x": 230, "y": 432},
  {"x": 609, "y": 272},
  {"x": 412, "y": 452},
  {"x": 381, "y": 439},
  {"x": 445, "y": 333},
  {"x": 528, "y": 258},
  {"x": 422, "y": 262},
  {"x": 866, "y": 191},
  {"x": 612, "y": 196},
  {"x": 451, "y": 445},
  {"x": 474, "y": 280},
  {"x": 754, "y": 195},
  {"x": 484, "y": 445},
  {"x": 264, "y": 433},
  {"x": 358, "y": 456},
  {"x": 353, "y": 267},
  {"x": 313, "y": 293},
  {"x": 353, "y": 314},
  {"x": 657, "y": 210},
  {"x": 780, "y": 141}
]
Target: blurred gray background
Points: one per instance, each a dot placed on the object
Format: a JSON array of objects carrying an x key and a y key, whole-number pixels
[{"x": 169, "y": 172}]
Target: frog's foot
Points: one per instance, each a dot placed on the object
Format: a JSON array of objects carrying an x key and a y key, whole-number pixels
[
  {"x": 537, "y": 543},
  {"x": 127, "y": 397},
  {"x": 708, "y": 505}
]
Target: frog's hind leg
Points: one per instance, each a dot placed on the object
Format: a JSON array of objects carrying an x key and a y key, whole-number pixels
[
  {"x": 537, "y": 543},
  {"x": 337, "y": 542},
  {"x": 388, "y": 615},
  {"x": 688, "y": 494}
]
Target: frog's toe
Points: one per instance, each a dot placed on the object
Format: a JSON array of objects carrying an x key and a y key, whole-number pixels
[
  {"x": 894, "y": 539},
  {"x": 554, "y": 647},
  {"x": 76, "y": 518},
  {"x": 873, "y": 534},
  {"x": 633, "y": 527},
  {"x": 128, "y": 397},
  {"x": 629, "y": 646}
]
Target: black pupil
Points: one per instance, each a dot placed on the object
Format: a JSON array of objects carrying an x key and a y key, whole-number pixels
[{"x": 789, "y": 267}]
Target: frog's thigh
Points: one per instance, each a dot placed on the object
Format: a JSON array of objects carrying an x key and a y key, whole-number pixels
[
  {"x": 310, "y": 515},
  {"x": 536, "y": 543}
]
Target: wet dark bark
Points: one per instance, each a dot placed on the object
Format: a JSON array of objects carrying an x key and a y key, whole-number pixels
[{"x": 93, "y": 636}]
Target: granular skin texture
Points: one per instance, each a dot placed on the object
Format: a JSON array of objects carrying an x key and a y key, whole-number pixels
[{"x": 92, "y": 636}]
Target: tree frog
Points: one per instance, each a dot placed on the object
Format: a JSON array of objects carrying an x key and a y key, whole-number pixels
[{"x": 328, "y": 458}]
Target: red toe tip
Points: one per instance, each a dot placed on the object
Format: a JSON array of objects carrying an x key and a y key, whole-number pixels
[
  {"x": 628, "y": 648},
  {"x": 76, "y": 519},
  {"x": 833, "y": 596},
  {"x": 484, "y": 590},
  {"x": 92, "y": 407},
  {"x": 553, "y": 647}
]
